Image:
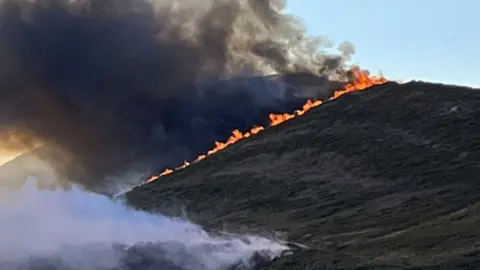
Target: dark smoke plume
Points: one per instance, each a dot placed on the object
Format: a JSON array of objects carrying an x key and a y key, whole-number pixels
[{"x": 115, "y": 85}]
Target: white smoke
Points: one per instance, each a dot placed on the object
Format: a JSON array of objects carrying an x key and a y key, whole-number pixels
[{"x": 80, "y": 230}]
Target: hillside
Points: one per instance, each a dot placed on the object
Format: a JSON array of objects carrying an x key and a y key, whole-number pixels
[{"x": 383, "y": 177}]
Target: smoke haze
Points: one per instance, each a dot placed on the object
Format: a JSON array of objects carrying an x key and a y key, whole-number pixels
[
  {"x": 113, "y": 85},
  {"x": 74, "y": 230}
]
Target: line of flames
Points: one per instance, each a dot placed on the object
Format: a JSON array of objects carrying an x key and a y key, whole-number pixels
[{"x": 362, "y": 80}]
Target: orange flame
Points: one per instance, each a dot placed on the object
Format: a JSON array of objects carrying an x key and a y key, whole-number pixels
[{"x": 362, "y": 80}]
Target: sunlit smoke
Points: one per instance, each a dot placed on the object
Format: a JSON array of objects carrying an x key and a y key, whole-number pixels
[
  {"x": 78, "y": 230},
  {"x": 14, "y": 143}
]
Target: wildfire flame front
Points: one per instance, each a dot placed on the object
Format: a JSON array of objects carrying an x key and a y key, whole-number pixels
[{"x": 362, "y": 80}]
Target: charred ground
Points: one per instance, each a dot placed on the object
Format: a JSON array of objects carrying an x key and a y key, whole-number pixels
[{"x": 384, "y": 178}]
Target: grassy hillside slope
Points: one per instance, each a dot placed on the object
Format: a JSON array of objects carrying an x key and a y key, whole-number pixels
[{"x": 384, "y": 177}]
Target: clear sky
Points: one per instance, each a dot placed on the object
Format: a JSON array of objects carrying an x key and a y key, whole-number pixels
[{"x": 433, "y": 40}]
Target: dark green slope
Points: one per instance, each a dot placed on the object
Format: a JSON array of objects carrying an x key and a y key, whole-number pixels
[{"x": 385, "y": 177}]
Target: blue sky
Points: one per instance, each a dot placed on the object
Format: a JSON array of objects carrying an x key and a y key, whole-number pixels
[{"x": 433, "y": 40}]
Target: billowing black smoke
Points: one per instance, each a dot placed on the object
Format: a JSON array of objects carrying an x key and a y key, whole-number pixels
[{"x": 111, "y": 85}]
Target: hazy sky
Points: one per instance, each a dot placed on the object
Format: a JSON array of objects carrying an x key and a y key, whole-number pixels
[{"x": 434, "y": 40}]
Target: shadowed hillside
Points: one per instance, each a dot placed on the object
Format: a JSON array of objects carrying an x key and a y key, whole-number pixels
[{"x": 387, "y": 177}]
